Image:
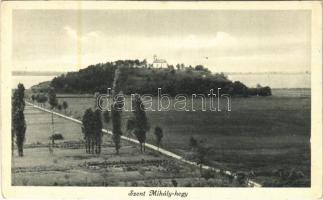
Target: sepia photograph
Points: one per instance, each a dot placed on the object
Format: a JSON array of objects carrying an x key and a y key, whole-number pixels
[{"x": 161, "y": 94}]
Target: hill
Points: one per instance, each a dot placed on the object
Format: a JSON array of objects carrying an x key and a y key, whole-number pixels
[
  {"x": 41, "y": 87},
  {"x": 138, "y": 77}
]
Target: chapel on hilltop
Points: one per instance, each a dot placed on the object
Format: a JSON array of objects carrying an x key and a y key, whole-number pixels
[{"x": 159, "y": 63}]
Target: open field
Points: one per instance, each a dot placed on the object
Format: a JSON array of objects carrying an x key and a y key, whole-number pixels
[
  {"x": 69, "y": 164},
  {"x": 261, "y": 134}
]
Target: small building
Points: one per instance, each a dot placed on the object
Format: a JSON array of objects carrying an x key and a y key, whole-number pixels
[{"x": 159, "y": 63}]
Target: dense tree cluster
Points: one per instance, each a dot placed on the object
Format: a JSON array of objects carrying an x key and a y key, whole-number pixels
[
  {"x": 92, "y": 130},
  {"x": 138, "y": 77},
  {"x": 94, "y": 78},
  {"x": 41, "y": 98},
  {"x": 242, "y": 90}
]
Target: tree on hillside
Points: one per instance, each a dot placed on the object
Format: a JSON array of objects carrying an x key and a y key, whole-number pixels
[
  {"x": 65, "y": 106},
  {"x": 240, "y": 89},
  {"x": 159, "y": 135},
  {"x": 144, "y": 63},
  {"x": 199, "y": 67},
  {"x": 52, "y": 100},
  {"x": 264, "y": 91},
  {"x": 171, "y": 67},
  {"x": 18, "y": 128},
  {"x": 141, "y": 121},
  {"x": 182, "y": 66}
]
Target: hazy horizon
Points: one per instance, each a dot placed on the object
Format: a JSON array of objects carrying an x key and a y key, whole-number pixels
[{"x": 274, "y": 80}]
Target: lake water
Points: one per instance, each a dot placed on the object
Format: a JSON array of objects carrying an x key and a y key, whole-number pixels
[
  {"x": 251, "y": 80},
  {"x": 29, "y": 81},
  {"x": 274, "y": 80}
]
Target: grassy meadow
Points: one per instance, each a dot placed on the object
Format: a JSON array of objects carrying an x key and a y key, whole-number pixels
[
  {"x": 69, "y": 165},
  {"x": 260, "y": 134}
]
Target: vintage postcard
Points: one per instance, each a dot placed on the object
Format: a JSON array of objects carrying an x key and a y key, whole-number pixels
[{"x": 161, "y": 100}]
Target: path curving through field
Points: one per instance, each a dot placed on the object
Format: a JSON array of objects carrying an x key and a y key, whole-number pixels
[{"x": 251, "y": 183}]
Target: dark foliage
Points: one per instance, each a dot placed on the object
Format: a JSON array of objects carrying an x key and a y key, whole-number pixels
[
  {"x": 141, "y": 125},
  {"x": 97, "y": 130},
  {"x": 33, "y": 97},
  {"x": 65, "y": 106},
  {"x": 201, "y": 152},
  {"x": 18, "y": 128},
  {"x": 41, "y": 99},
  {"x": 192, "y": 142},
  {"x": 59, "y": 107},
  {"x": 92, "y": 130},
  {"x": 159, "y": 135},
  {"x": 138, "y": 78},
  {"x": 116, "y": 108},
  {"x": 56, "y": 136},
  {"x": 130, "y": 125},
  {"x": 106, "y": 116},
  {"x": 116, "y": 126},
  {"x": 207, "y": 174},
  {"x": 52, "y": 100},
  {"x": 87, "y": 128}
]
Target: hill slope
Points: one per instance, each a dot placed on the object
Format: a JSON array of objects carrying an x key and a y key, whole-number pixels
[{"x": 138, "y": 77}]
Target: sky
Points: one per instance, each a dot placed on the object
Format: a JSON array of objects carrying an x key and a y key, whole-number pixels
[{"x": 222, "y": 40}]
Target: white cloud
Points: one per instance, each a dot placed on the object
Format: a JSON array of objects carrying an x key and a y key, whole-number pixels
[
  {"x": 84, "y": 37},
  {"x": 71, "y": 32}
]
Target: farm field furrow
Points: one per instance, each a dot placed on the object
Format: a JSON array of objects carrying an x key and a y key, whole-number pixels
[{"x": 71, "y": 166}]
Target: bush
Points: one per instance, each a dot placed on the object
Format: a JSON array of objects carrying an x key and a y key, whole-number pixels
[
  {"x": 56, "y": 136},
  {"x": 193, "y": 142},
  {"x": 174, "y": 182},
  {"x": 207, "y": 174},
  {"x": 134, "y": 183},
  {"x": 241, "y": 178}
]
